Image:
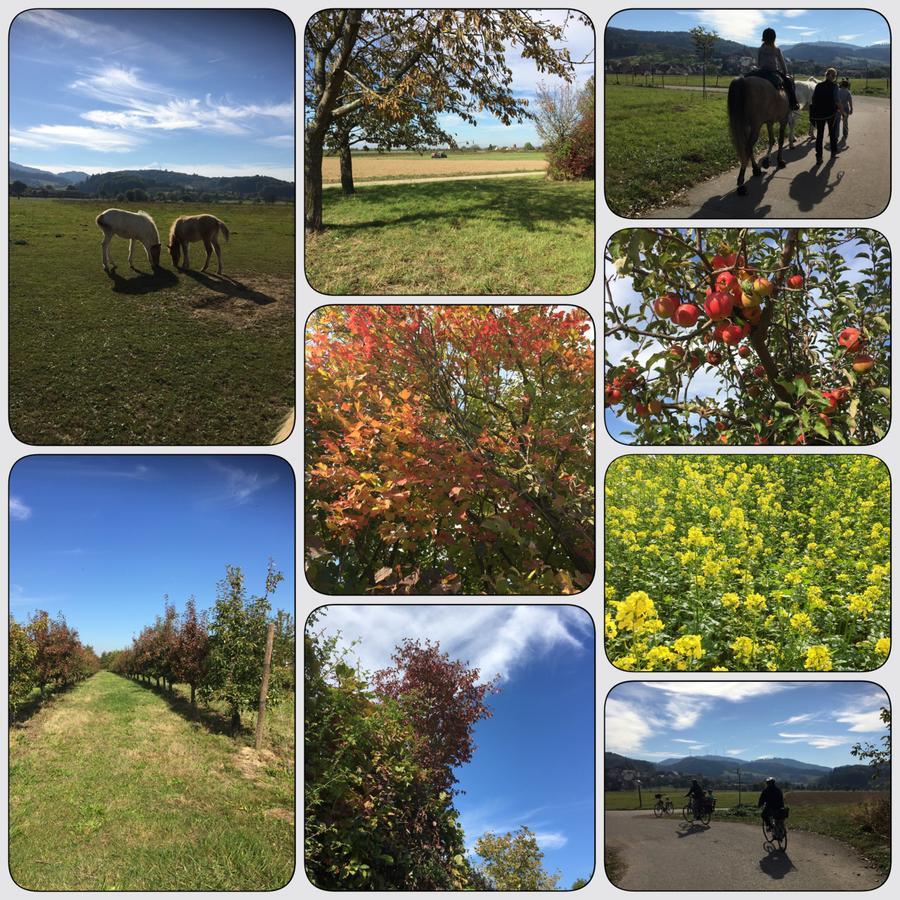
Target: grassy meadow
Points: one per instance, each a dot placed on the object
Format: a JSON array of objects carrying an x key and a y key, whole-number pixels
[
  {"x": 113, "y": 786},
  {"x": 875, "y": 87},
  {"x": 660, "y": 141},
  {"x": 487, "y": 236},
  {"x": 182, "y": 358}
]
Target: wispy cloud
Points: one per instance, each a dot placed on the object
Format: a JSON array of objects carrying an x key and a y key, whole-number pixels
[
  {"x": 849, "y": 38},
  {"x": 46, "y": 137},
  {"x": 793, "y": 720},
  {"x": 551, "y": 840},
  {"x": 278, "y": 140},
  {"x": 737, "y": 751},
  {"x": 866, "y": 720},
  {"x": 628, "y": 725},
  {"x": 819, "y": 741},
  {"x": 238, "y": 484},
  {"x": 18, "y": 510},
  {"x": 63, "y": 25}
]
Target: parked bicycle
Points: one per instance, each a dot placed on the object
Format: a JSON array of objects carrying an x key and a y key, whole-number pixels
[
  {"x": 664, "y": 806},
  {"x": 775, "y": 830}
]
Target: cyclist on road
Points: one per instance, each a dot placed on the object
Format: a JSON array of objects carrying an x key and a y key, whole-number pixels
[
  {"x": 697, "y": 795},
  {"x": 771, "y": 800}
]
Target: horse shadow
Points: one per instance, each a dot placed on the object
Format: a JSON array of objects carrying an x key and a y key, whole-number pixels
[
  {"x": 143, "y": 282},
  {"x": 776, "y": 864},
  {"x": 814, "y": 185},
  {"x": 229, "y": 288}
]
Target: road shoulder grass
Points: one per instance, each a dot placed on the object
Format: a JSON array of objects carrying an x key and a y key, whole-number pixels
[
  {"x": 110, "y": 789},
  {"x": 487, "y": 236}
]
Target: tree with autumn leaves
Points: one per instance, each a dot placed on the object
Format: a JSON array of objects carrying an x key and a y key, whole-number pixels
[
  {"x": 449, "y": 449},
  {"x": 379, "y": 761},
  {"x": 383, "y": 66},
  {"x": 791, "y": 326}
]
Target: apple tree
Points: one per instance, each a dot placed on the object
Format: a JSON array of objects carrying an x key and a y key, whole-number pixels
[{"x": 749, "y": 336}]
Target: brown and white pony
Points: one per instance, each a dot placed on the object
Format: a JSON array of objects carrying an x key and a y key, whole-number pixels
[
  {"x": 186, "y": 230},
  {"x": 134, "y": 226},
  {"x": 753, "y": 102}
]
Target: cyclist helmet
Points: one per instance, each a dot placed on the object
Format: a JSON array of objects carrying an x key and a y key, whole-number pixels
[{"x": 770, "y": 779}]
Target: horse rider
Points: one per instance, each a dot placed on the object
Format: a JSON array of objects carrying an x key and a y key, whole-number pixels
[{"x": 770, "y": 62}]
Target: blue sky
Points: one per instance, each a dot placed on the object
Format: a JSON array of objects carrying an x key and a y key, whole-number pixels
[
  {"x": 705, "y": 382},
  {"x": 579, "y": 40},
  {"x": 205, "y": 92},
  {"x": 846, "y": 26},
  {"x": 534, "y": 763},
  {"x": 811, "y": 721},
  {"x": 103, "y": 538}
]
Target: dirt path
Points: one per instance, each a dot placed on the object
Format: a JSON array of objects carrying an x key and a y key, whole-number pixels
[
  {"x": 668, "y": 854},
  {"x": 853, "y": 185},
  {"x": 387, "y": 181}
]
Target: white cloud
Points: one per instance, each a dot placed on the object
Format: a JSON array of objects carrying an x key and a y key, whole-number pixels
[
  {"x": 869, "y": 720},
  {"x": 627, "y": 726},
  {"x": 793, "y": 13},
  {"x": 732, "y": 691},
  {"x": 18, "y": 510},
  {"x": 239, "y": 485},
  {"x": 743, "y": 25},
  {"x": 102, "y": 140},
  {"x": 551, "y": 840},
  {"x": 71, "y": 28},
  {"x": 494, "y": 639},
  {"x": 849, "y": 38},
  {"x": 793, "y": 720},
  {"x": 736, "y": 752},
  {"x": 819, "y": 741},
  {"x": 278, "y": 140}
]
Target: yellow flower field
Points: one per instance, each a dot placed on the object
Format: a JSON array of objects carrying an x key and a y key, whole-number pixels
[{"x": 747, "y": 563}]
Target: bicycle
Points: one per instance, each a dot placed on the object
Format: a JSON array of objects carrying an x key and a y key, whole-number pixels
[
  {"x": 775, "y": 832},
  {"x": 664, "y": 806},
  {"x": 707, "y": 808}
]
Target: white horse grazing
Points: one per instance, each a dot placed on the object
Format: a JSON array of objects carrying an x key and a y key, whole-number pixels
[
  {"x": 134, "y": 226},
  {"x": 804, "y": 91},
  {"x": 187, "y": 229}
]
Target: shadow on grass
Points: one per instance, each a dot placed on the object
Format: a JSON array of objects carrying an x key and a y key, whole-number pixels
[
  {"x": 36, "y": 704},
  {"x": 212, "y": 721},
  {"x": 228, "y": 287},
  {"x": 459, "y": 203},
  {"x": 143, "y": 282}
]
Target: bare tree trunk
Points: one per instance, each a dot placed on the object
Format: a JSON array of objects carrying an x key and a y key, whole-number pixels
[
  {"x": 193, "y": 702},
  {"x": 312, "y": 182},
  {"x": 346, "y": 168},
  {"x": 235, "y": 720}
]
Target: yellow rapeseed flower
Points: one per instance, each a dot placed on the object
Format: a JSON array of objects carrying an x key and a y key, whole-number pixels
[{"x": 818, "y": 659}]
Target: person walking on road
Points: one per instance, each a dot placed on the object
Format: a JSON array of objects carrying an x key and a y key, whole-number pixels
[
  {"x": 824, "y": 109},
  {"x": 846, "y": 99}
]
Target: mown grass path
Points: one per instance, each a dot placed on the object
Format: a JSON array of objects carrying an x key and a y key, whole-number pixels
[{"x": 110, "y": 789}]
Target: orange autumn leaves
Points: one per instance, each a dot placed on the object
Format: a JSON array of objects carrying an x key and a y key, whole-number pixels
[{"x": 450, "y": 449}]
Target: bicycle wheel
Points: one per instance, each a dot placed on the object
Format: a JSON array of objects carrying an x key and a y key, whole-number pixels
[
  {"x": 780, "y": 836},
  {"x": 670, "y": 807},
  {"x": 688, "y": 812},
  {"x": 658, "y": 809},
  {"x": 705, "y": 815},
  {"x": 768, "y": 833}
]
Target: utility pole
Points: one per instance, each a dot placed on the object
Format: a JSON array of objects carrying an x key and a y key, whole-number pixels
[
  {"x": 739, "y": 785},
  {"x": 640, "y": 800}
]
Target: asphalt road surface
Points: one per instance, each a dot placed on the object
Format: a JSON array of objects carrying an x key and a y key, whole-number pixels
[
  {"x": 855, "y": 184},
  {"x": 668, "y": 854}
]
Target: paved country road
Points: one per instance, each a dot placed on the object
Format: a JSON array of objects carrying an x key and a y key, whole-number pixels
[
  {"x": 668, "y": 854},
  {"x": 854, "y": 185}
]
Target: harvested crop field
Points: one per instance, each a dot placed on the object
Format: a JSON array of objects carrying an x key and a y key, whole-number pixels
[{"x": 374, "y": 165}]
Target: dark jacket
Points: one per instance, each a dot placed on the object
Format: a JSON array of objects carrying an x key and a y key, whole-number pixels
[
  {"x": 771, "y": 797},
  {"x": 696, "y": 791},
  {"x": 825, "y": 101}
]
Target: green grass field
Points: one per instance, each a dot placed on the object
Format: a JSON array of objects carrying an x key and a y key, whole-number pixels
[
  {"x": 110, "y": 788},
  {"x": 173, "y": 358},
  {"x": 659, "y": 142},
  {"x": 489, "y": 236},
  {"x": 616, "y": 800}
]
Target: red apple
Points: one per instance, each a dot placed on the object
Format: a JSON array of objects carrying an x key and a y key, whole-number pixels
[
  {"x": 713, "y": 357},
  {"x": 832, "y": 400},
  {"x": 718, "y": 306},
  {"x": 795, "y": 282},
  {"x": 759, "y": 370},
  {"x": 725, "y": 282},
  {"x": 641, "y": 409},
  {"x": 666, "y": 305},
  {"x": 733, "y": 335},
  {"x": 694, "y": 361},
  {"x": 850, "y": 339},
  {"x": 676, "y": 351},
  {"x": 762, "y": 287},
  {"x": 687, "y": 314},
  {"x": 743, "y": 351}
]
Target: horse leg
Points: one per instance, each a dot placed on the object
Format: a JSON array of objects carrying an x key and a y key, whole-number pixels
[
  {"x": 185, "y": 247},
  {"x": 104, "y": 250},
  {"x": 751, "y": 151},
  {"x": 764, "y": 162},
  {"x": 215, "y": 244},
  {"x": 208, "y": 246},
  {"x": 130, "y": 252},
  {"x": 780, "y": 163}
]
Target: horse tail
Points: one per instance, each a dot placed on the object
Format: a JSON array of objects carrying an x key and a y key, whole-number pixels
[
  {"x": 737, "y": 100},
  {"x": 223, "y": 228},
  {"x": 99, "y": 220}
]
